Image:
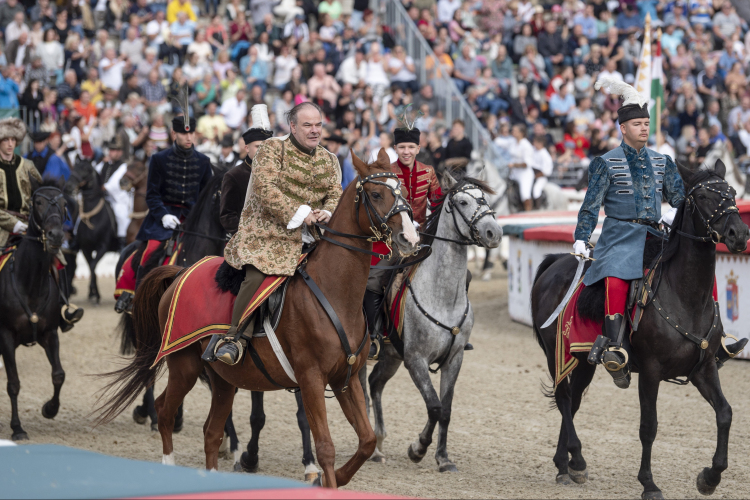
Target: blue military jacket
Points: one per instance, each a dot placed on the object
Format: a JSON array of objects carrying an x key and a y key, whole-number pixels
[
  {"x": 631, "y": 184},
  {"x": 175, "y": 179}
]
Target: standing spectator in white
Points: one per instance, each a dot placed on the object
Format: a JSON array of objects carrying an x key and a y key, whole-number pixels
[
  {"x": 110, "y": 69},
  {"x": 285, "y": 62},
  {"x": 14, "y": 29},
  {"x": 542, "y": 165},
  {"x": 446, "y": 9},
  {"x": 234, "y": 110},
  {"x": 353, "y": 70},
  {"x": 521, "y": 165},
  {"x": 377, "y": 78}
]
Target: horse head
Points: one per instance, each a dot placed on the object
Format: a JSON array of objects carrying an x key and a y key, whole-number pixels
[
  {"x": 710, "y": 205},
  {"x": 47, "y": 215},
  {"x": 385, "y": 211},
  {"x": 473, "y": 219},
  {"x": 83, "y": 177},
  {"x": 135, "y": 174}
]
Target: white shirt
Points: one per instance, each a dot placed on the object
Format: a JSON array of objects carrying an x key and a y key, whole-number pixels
[
  {"x": 505, "y": 142},
  {"x": 284, "y": 67},
  {"x": 542, "y": 161},
  {"x": 446, "y": 9},
  {"x": 234, "y": 112},
  {"x": 376, "y": 74},
  {"x": 403, "y": 75},
  {"x": 112, "y": 77},
  {"x": 522, "y": 152},
  {"x": 349, "y": 73},
  {"x": 13, "y": 31},
  {"x": 203, "y": 49}
]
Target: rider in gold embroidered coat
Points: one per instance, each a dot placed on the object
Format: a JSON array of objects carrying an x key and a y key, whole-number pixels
[{"x": 294, "y": 180}]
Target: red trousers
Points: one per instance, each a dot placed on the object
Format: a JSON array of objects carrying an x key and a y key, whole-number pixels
[
  {"x": 617, "y": 295},
  {"x": 126, "y": 280}
]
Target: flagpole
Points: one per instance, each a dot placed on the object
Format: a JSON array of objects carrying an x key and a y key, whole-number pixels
[{"x": 658, "y": 101}]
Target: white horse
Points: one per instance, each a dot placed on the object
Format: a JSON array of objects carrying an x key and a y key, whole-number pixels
[{"x": 438, "y": 317}]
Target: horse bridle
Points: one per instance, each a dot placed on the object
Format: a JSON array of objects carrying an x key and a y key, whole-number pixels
[
  {"x": 726, "y": 207},
  {"x": 378, "y": 224},
  {"x": 51, "y": 201},
  {"x": 127, "y": 183},
  {"x": 471, "y": 222}
]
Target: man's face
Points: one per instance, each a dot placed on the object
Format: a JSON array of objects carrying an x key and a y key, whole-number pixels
[
  {"x": 308, "y": 127},
  {"x": 252, "y": 148},
  {"x": 333, "y": 147},
  {"x": 115, "y": 154},
  {"x": 23, "y": 38},
  {"x": 39, "y": 146},
  {"x": 70, "y": 78},
  {"x": 7, "y": 146},
  {"x": 184, "y": 140},
  {"x": 636, "y": 131},
  {"x": 211, "y": 109},
  {"x": 407, "y": 152}
]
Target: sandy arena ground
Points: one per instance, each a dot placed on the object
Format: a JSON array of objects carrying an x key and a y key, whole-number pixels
[{"x": 502, "y": 435}]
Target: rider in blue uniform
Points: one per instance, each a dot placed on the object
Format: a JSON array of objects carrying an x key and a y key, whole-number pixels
[{"x": 176, "y": 177}]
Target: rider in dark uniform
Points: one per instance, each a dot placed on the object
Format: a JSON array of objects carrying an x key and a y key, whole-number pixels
[
  {"x": 235, "y": 182},
  {"x": 175, "y": 179},
  {"x": 47, "y": 163}
]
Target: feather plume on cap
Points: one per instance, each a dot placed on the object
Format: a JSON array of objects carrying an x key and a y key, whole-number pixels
[
  {"x": 182, "y": 101},
  {"x": 627, "y": 92},
  {"x": 259, "y": 113}
]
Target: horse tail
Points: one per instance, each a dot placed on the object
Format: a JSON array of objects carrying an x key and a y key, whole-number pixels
[
  {"x": 126, "y": 330},
  {"x": 141, "y": 373}
]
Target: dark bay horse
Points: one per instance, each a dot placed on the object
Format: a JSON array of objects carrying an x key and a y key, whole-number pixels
[
  {"x": 96, "y": 231},
  {"x": 708, "y": 215},
  {"x": 306, "y": 333},
  {"x": 136, "y": 180},
  {"x": 30, "y": 305}
]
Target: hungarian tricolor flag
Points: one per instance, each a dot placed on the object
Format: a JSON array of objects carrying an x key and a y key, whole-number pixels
[{"x": 657, "y": 87}]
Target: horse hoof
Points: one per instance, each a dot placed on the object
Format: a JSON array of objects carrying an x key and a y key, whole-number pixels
[
  {"x": 703, "y": 487},
  {"x": 177, "y": 427},
  {"x": 652, "y": 495},
  {"x": 578, "y": 477},
  {"x": 238, "y": 467},
  {"x": 318, "y": 481},
  {"x": 311, "y": 477},
  {"x": 154, "y": 427},
  {"x": 247, "y": 465},
  {"x": 20, "y": 436},
  {"x": 563, "y": 479},
  {"x": 413, "y": 455},
  {"x": 49, "y": 410},
  {"x": 378, "y": 459},
  {"x": 448, "y": 467},
  {"x": 137, "y": 417}
]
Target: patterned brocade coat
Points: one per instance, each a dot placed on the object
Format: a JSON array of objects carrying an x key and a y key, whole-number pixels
[
  {"x": 284, "y": 178},
  {"x": 24, "y": 173}
]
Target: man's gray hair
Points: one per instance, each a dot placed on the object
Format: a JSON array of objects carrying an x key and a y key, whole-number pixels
[{"x": 291, "y": 115}]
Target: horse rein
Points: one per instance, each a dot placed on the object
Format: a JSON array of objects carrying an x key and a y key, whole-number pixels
[
  {"x": 727, "y": 196},
  {"x": 471, "y": 222},
  {"x": 127, "y": 183}
]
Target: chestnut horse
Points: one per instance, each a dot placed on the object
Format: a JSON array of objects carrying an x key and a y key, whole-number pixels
[
  {"x": 136, "y": 179},
  {"x": 307, "y": 335}
]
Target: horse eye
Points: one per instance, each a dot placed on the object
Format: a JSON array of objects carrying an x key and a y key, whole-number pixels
[
  {"x": 376, "y": 195},
  {"x": 701, "y": 197},
  {"x": 464, "y": 203}
]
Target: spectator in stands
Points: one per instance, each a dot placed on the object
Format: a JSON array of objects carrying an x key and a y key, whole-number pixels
[
  {"x": 175, "y": 7},
  {"x": 402, "y": 70},
  {"x": 542, "y": 165},
  {"x": 325, "y": 83},
  {"x": 234, "y": 110},
  {"x": 212, "y": 126},
  {"x": 377, "y": 77},
  {"x": 465, "y": 69},
  {"x": 561, "y": 104},
  {"x": 551, "y": 47},
  {"x": 459, "y": 148},
  {"x": 353, "y": 69},
  {"x": 284, "y": 63},
  {"x": 297, "y": 30},
  {"x": 9, "y": 78},
  {"x": 521, "y": 165}
]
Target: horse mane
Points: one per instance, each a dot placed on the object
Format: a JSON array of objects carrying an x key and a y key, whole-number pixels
[
  {"x": 205, "y": 198},
  {"x": 47, "y": 181},
  {"x": 433, "y": 220}
]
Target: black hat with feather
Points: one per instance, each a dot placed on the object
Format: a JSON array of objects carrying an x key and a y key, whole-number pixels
[
  {"x": 183, "y": 124},
  {"x": 261, "y": 129},
  {"x": 407, "y": 133}
]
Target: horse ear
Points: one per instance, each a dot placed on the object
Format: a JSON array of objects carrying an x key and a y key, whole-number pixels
[
  {"x": 360, "y": 166},
  {"x": 447, "y": 182},
  {"x": 720, "y": 169},
  {"x": 684, "y": 172},
  {"x": 384, "y": 161}
]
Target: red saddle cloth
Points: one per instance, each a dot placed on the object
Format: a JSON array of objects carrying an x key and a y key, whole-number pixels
[
  {"x": 200, "y": 308},
  {"x": 127, "y": 277},
  {"x": 396, "y": 304},
  {"x": 6, "y": 256}
]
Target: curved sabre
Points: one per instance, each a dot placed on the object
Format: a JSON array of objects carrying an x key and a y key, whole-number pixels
[{"x": 571, "y": 289}]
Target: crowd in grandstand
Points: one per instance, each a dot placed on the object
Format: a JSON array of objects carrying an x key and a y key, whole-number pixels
[{"x": 92, "y": 71}]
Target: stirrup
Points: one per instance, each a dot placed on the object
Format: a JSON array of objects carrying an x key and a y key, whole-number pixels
[
  {"x": 619, "y": 370},
  {"x": 237, "y": 344},
  {"x": 725, "y": 354},
  {"x": 124, "y": 303},
  {"x": 375, "y": 342},
  {"x": 75, "y": 317}
]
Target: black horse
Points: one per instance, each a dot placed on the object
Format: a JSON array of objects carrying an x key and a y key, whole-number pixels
[
  {"x": 30, "y": 310},
  {"x": 202, "y": 234},
  {"x": 661, "y": 351},
  {"x": 96, "y": 231}
]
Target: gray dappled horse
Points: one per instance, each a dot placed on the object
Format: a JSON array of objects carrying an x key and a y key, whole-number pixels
[{"x": 440, "y": 288}]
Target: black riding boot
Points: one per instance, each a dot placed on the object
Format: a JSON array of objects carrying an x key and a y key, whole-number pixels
[
  {"x": 124, "y": 303},
  {"x": 735, "y": 348},
  {"x": 373, "y": 311},
  {"x": 608, "y": 351}
]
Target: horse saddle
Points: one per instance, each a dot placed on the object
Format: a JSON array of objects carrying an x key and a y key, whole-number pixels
[{"x": 269, "y": 312}]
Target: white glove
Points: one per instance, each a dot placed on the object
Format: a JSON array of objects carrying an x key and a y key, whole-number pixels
[
  {"x": 580, "y": 247},
  {"x": 20, "y": 227},
  {"x": 668, "y": 216},
  {"x": 416, "y": 225},
  {"x": 302, "y": 212},
  {"x": 169, "y": 221}
]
